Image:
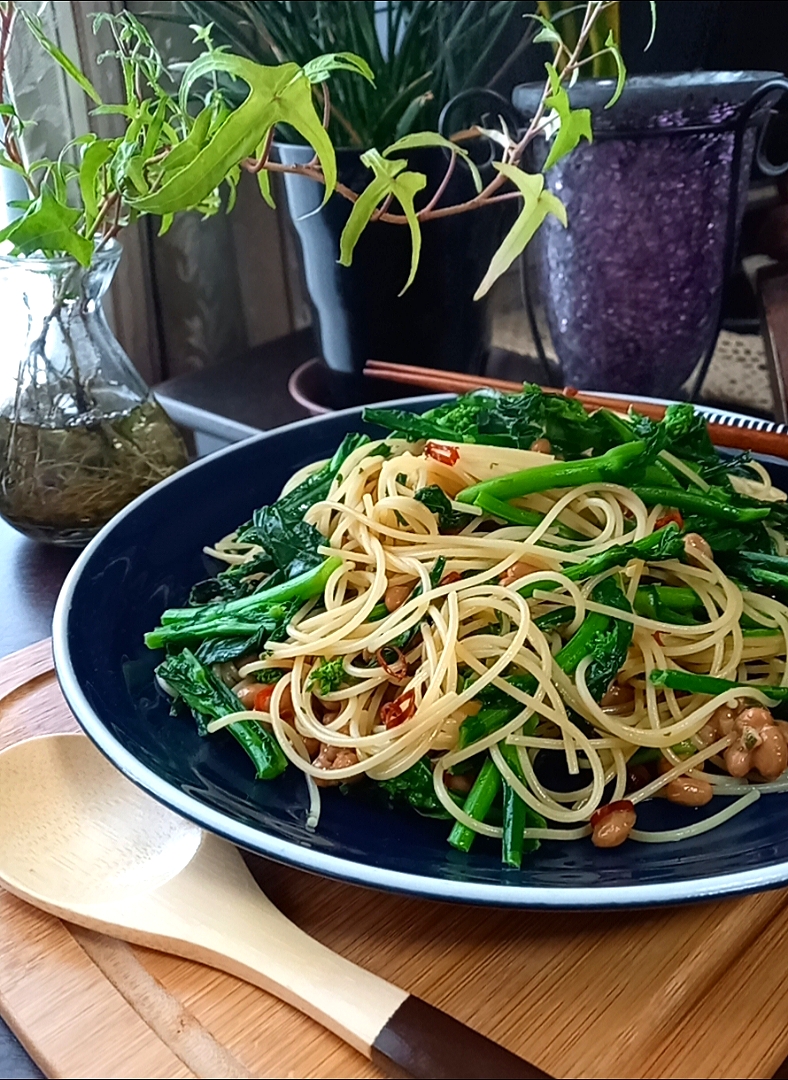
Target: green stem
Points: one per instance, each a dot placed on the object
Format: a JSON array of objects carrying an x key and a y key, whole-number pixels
[
  {"x": 477, "y": 805},
  {"x": 304, "y": 586},
  {"x": 611, "y": 467},
  {"x": 518, "y": 516},
  {"x": 665, "y": 543},
  {"x": 707, "y": 684},
  {"x": 690, "y": 503}
]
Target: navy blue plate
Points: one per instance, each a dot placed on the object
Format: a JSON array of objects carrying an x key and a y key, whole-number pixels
[{"x": 147, "y": 558}]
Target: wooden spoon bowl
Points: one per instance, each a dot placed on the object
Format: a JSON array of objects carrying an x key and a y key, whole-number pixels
[{"x": 80, "y": 841}]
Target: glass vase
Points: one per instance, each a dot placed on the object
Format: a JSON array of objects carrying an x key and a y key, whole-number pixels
[{"x": 80, "y": 433}]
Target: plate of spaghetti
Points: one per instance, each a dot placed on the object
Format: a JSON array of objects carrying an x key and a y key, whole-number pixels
[{"x": 495, "y": 649}]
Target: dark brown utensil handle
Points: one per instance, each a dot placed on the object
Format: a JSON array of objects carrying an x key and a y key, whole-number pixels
[{"x": 420, "y": 1042}]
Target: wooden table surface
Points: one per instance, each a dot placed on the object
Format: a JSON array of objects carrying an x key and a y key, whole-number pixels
[{"x": 30, "y": 578}]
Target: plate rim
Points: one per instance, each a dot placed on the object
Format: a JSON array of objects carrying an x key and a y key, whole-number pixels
[{"x": 291, "y": 853}]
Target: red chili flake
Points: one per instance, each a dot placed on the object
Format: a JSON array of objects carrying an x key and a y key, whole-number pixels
[
  {"x": 446, "y": 455},
  {"x": 396, "y": 712},
  {"x": 603, "y": 811},
  {"x": 450, "y": 578},
  {"x": 570, "y": 391},
  {"x": 393, "y": 661},
  {"x": 671, "y": 515}
]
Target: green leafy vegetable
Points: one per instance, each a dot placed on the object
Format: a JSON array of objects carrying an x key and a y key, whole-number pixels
[
  {"x": 244, "y": 618},
  {"x": 436, "y": 499},
  {"x": 329, "y": 675},
  {"x": 478, "y": 804},
  {"x": 708, "y": 684},
  {"x": 491, "y": 418},
  {"x": 208, "y": 697},
  {"x": 415, "y": 787},
  {"x": 665, "y": 543},
  {"x": 617, "y": 464}
]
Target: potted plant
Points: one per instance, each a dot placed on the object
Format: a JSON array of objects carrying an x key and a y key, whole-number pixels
[
  {"x": 80, "y": 433},
  {"x": 423, "y": 55},
  {"x": 633, "y": 288},
  {"x": 74, "y": 415}
]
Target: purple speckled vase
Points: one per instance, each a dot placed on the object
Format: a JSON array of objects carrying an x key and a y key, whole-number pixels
[{"x": 633, "y": 287}]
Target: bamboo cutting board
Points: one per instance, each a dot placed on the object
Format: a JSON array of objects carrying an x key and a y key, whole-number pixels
[{"x": 687, "y": 992}]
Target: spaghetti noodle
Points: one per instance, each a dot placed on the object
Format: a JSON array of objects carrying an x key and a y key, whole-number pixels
[{"x": 454, "y": 641}]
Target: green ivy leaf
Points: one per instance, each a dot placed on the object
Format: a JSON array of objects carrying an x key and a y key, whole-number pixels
[
  {"x": 537, "y": 204},
  {"x": 319, "y": 69},
  {"x": 368, "y": 201},
  {"x": 621, "y": 70},
  {"x": 7, "y": 163},
  {"x": 264, "y": 184},
  {"x": 36, "y": 28},
  {"x": 114, "y": 110},
  {"x": 575, "y": 124},
  {"x": 405, "y": 188},
  {"x": 548, "y": 31},
  {"x": 48, "y": 226},
  {"x": 96, "y": 155},
  {"x": 432, "y": 138},
  {"x": 187, "y": 150},
  {"x": 389, "y": 179},
  {"x": 276, "y": 95}
]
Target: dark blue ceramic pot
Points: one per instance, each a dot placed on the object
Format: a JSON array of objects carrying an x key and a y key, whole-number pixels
[
  {"x": 633, "y": 287},
  {"x": 357, "y": 311}
]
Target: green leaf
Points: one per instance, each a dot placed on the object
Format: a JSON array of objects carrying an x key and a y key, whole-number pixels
[
  {"x": 653, "y": 6},
  {"x": 319, "y": 69},
  {"x": 548, "y": 31},
  {"x": 36, "y": 28},
  {"x": 48, "y": 226},
  {"x": 264, "y": 184},
  {"x": 537, "y": 204},
  {"x": 186, "y": 151},
  {"x": 153, "y": 133},
  {"x": 96, "y": 155},
  {"x": 114, "y": 110},
  {"x": 166, "y": 222},
  {"x": 574, "y": 124},
  {"x": 276, "y": 94},
  {"x": 405, "y": 188},
  {"x": 7, "y": 163},
  {"x": 389, "y": 180},
  {"x": 432, "y": 138},
  {"x": 621, "y": 70},
  {"x": 363, "y": 209}
]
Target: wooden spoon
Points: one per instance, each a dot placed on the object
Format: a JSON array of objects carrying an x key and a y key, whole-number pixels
[{"x": 80, "y": 841}]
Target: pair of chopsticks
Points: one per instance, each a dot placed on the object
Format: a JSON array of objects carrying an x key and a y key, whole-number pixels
[{"x": 759, "y": 436}]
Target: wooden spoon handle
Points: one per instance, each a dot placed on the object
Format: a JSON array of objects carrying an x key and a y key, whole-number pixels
[{"x": 421, "y": 1041}]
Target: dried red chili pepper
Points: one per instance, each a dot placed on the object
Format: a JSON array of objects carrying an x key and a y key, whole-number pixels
[
  {"x": 450, "y": 578},
  {"x": 446, "y": 455},
  {"x": 671, "y": 515},
  {"x": 393, "y": 661},
  {"x": 602, "y": 812},
  {"x": 396, "y": 712}
]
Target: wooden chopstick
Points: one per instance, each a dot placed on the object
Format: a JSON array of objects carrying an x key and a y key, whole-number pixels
[{"x": 455, "y": 382}]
